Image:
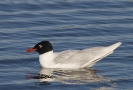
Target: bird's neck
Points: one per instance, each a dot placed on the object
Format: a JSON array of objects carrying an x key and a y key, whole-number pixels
[{"x": 46, "y": 59}]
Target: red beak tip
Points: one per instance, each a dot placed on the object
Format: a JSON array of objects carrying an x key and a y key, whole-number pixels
[
  {"x": 30, "y": 50},
  {"x": 27, "y": 51}
]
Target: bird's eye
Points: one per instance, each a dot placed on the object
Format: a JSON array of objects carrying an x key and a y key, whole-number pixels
[{"x": 40, "y": 46}]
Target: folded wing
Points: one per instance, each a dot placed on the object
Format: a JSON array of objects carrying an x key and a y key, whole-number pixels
[{"x": 87, "y": 57}]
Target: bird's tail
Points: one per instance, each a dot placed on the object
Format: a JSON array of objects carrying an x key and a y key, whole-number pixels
[{"x": 110, "y": 49}]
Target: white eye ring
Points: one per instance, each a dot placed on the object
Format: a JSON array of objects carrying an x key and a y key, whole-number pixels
[{"x": 40, "y": 46}]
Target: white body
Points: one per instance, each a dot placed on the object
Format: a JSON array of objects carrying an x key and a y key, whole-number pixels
[{"x": 76, "y": 58}]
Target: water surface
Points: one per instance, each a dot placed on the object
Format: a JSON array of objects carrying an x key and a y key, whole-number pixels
[{"x": 67, "y": 24}]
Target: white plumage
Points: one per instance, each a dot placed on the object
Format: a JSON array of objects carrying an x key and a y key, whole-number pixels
[{"x": 76, "y": 58}]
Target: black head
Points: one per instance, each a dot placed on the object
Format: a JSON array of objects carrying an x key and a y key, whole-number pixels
[{"x": 41, "y": 47}]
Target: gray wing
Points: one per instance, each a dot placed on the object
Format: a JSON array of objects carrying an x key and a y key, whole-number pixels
[
  {"x": 64, "y": 55},
  {"x": 86, "y": 57},
  {"x": 89, "y": 57},
  {"x": 79, "y": 57}
]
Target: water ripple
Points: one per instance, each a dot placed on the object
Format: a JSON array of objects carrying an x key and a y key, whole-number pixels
[{"x": 68, "y": 24}]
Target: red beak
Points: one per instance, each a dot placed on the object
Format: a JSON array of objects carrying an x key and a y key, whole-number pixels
[{"x": 30, "y": 50}]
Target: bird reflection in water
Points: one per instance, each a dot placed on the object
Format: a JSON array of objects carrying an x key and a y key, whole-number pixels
[{"x": 71, "y": 76}]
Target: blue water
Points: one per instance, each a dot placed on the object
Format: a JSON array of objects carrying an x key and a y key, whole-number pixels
[{"x": 67, "y": 24}]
